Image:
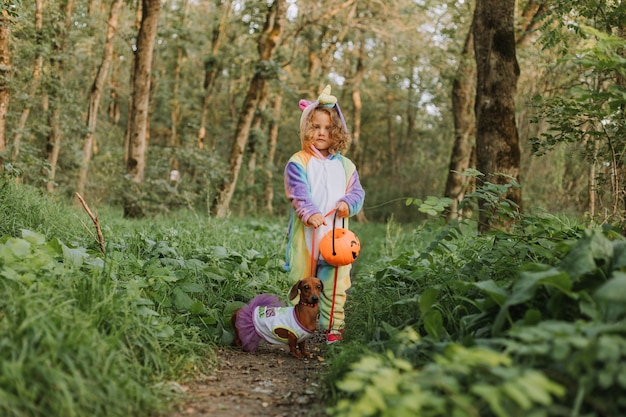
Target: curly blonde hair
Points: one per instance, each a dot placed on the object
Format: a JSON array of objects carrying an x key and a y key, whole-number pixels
[{"x": 339, "y": 138}]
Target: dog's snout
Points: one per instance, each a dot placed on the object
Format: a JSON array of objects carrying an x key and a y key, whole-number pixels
[{"x": 315, "y": 298}]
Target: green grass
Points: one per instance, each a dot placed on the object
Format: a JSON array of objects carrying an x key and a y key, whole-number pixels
[
  {"x": 440, "y": 320},
  {"x": 25, "y": 207}
]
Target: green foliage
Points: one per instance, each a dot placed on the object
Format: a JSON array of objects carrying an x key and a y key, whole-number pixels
[
  {"x": 431, "y": 206},
  {"x": 72, "y": 339},
  {"x": 585, "y": 357},
  {"x": 461, "y": 381},
  {"x": 588, "y": 109},
  {"x": 528, "y": 322},
  {"x": 194, "y": 275},
  {"x": 199, "y": 173}
]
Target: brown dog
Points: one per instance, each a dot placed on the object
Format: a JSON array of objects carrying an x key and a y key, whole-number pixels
[{"x": 265, "y": 317}]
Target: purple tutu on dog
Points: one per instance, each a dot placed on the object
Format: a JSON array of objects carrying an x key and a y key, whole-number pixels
[{"x": 250, "y": 339}]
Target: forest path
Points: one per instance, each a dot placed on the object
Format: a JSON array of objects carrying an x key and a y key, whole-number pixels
[{"x": 268, "y": 382}]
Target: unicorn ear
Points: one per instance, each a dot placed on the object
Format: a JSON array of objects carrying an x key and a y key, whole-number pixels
[{"x": 304, "y": 104}]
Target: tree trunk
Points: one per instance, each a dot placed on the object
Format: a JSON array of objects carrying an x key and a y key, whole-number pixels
[
  {"x": 254, "y": 157},
  {"x": 271, "y": 155},
  {"x": 212, "y": 66},
  {"x": 175, "y": 113},
  {"x": 5, "y": 77},
  {"x": 463, "y": 89},
  {"x": 129, "y": 121},
  {"x": 497, "y": 140},
  {"x": 357, "y": 104},
  {"x": 141, "y": 97},
  {"x": 53, "y": 145},
  {"x": 36, "y": 80},
  {"x": 96, "y": 93},
  {"x": 268, "y": 42}
]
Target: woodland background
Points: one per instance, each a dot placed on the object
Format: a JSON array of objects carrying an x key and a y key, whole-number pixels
[
  {"x": 144, "y": 107},
  {"x": 222, "y": 89}
]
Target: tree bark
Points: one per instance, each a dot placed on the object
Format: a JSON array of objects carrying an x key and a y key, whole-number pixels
[
  {"x": 36, "y": 81},
  {"x": 497, "y": 140},
  {"x": 463, "y": 89},
  {"x": 5, "y": 76},
  {"x": 141, "y": 97},
  {"x": 268, "y": 42},
  {"x": 253, "y": 154},
  {"x": 271, "y": 155},
  {"x": 96, "y": 93},
  {"x": 129, "y": 121}
]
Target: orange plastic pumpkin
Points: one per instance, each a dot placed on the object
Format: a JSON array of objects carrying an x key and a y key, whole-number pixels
[{"x": 340, "y": 247}]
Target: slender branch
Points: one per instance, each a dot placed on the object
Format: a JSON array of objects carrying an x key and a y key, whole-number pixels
[{"x": 94, "y": 219}]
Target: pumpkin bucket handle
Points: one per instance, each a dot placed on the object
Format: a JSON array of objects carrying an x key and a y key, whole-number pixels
[{"x": 343, "y": 224}]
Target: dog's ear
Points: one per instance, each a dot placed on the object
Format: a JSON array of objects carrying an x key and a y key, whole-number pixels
[{"x": 293, "y": 293}]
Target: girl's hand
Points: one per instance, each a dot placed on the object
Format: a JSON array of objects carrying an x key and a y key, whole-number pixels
[
  {"x": 342, "y": 209},
  {"x": 316, "y": 220}
]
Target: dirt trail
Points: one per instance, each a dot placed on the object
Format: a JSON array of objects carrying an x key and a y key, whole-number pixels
[{"x": 269, "y": 382}]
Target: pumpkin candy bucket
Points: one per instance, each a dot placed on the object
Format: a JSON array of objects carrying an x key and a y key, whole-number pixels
[{"x": 340, "y": 246}]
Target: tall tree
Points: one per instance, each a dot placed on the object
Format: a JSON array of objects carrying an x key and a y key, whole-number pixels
[
  {"x": 497, "y": 141},
  {"x": 267, "y": 44},
  {"x": 463, "y": 92},
  {"x": 96, "y": 93},
  {"x": 141, "y": 98}
]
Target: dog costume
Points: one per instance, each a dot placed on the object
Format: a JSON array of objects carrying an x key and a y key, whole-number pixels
[
  {"x": 316, "y": 184},
  {"x": 259, "y": 319}
]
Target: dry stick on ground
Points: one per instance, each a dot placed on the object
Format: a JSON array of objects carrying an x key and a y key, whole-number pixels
[{"x": 94, "y": 219}]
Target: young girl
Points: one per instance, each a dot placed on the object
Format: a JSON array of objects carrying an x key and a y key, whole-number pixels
[{"x": 319, "y": 180}]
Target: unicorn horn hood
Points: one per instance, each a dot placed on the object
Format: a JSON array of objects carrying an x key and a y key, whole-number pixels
[{"x": 325, "y": 99}]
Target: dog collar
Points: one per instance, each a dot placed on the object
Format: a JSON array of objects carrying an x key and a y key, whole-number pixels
[{"x": 307, "y": 304}]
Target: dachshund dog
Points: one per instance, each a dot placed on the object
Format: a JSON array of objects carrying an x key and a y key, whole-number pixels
[{"x": 267, "y": 318}]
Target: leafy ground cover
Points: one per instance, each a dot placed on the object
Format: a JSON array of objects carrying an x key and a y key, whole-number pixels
[{"x": 440, "y": 321}]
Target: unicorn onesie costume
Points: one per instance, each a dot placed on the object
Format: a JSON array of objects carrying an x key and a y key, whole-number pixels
[{"x": 316, "y": 184}]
